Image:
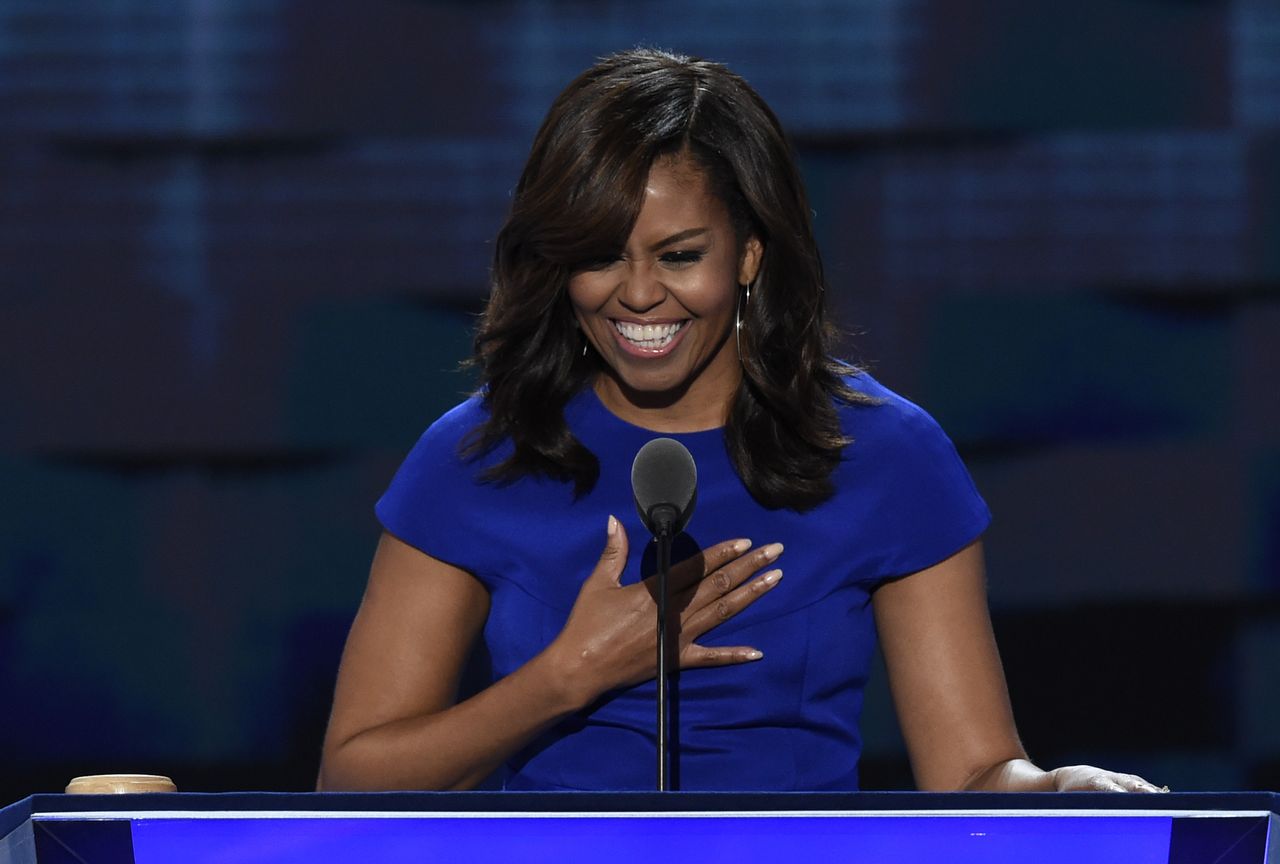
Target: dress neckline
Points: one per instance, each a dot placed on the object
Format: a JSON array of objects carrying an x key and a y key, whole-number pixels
[{"x": 588, "y": 406}]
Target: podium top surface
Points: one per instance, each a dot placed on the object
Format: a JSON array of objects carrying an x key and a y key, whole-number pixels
[
  {"x": 323, "y": 804},
  {"x": 572, "y": 828}
]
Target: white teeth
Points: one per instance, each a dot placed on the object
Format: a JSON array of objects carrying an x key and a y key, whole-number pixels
[{"x": 651, "y": 336}]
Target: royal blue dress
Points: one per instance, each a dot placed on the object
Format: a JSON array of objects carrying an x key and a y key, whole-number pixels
[{"x": 789, "y": 721}]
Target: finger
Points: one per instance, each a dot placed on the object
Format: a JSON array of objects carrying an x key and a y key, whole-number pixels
[
  {"x": 1138, "y": 784},
  {"x": 691, "y": 571},
  {"x": 1106, "y": 783},
  {"x": 613, "y": 560},
  {"x": 725, "y": 579},
  {"x": 701, "y": 619},
  {"x": 699, "y": 656}
]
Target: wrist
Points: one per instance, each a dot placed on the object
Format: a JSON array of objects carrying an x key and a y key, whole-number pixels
[
  {"x": 1017, "y": 774},
  {"x": 563, "y": 677}
]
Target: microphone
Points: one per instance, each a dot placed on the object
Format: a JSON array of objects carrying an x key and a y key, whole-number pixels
[{"x": 664, "y": 484}]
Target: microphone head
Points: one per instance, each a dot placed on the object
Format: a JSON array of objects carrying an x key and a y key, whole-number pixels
[{"x": 664, "y": 482}]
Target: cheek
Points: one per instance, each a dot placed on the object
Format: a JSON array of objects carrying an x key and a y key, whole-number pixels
[
  {"x": 587, "y": 294},
  {"x": 713, "y": 296}
]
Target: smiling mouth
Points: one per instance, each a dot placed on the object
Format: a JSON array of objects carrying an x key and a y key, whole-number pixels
[{"x": 649, "y": 337}]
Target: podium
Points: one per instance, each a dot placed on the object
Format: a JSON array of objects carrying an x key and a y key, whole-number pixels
[{"x": 622, "y": 828}]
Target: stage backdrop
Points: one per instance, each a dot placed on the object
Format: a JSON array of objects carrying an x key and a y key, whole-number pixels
[{"x": 242, "y": 242}]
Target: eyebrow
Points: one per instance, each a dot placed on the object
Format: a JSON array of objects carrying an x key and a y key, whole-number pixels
[{"x": 677, "y": 237}]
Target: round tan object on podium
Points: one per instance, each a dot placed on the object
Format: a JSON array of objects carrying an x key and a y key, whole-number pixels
[{"x": 119, "y": 784}]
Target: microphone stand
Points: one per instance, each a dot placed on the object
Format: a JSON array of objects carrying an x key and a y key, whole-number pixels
[{"x": 662, "y": 517}]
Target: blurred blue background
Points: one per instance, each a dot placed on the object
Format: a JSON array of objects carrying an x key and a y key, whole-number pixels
[{"x": 242, "y": 243}]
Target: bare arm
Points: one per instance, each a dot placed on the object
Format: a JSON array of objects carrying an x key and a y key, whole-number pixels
[
  {"x": 949, "y": 688},
  {"x": 395, "y": 724}
]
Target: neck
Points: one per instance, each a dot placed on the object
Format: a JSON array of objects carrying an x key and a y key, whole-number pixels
[{"x": 689, "y": 409}]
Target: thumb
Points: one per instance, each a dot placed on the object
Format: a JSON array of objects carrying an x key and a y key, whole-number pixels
[{"x": 613, "y": 560}]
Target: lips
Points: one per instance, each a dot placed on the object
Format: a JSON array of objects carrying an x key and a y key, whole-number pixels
[{"x": 648, "y": 338}]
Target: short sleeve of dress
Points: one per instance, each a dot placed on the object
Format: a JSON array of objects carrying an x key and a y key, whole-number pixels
[
  {"x": 923, "y": 504},
  {"x": 429, "y": 498}
]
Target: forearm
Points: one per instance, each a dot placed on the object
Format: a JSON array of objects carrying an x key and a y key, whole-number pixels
[
  {"x": 394, "y": 725},
  {"x": 457, "y": 747}
]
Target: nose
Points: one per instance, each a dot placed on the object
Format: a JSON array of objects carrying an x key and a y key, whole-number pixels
[{"x": 641, "y": 289}]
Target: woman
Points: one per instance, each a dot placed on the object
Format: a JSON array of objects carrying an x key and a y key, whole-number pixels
[{"x": 657, "y": 275}]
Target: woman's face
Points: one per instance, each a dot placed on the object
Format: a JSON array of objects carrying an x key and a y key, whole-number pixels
[{"x": 661, "y": 314}]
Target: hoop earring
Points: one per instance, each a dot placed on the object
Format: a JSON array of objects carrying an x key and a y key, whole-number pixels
[{"x": 737, "y": 319}]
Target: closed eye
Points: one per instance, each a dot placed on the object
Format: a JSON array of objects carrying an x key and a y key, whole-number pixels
[{"x": 684, "y": 256}]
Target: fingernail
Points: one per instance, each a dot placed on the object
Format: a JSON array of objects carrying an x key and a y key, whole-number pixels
[
  {"x": 753, "y": 654},
  {"x": 613, "y": 526},
  {"x": 741, "y": 546},
  {"x": 772, "y": 551},
  {"x": 771, "y": 578}
]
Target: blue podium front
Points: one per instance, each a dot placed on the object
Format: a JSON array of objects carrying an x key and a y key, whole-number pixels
[{"x": 622, "y": 828}]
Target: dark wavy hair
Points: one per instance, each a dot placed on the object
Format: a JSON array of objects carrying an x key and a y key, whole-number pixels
[{"x": 577, "y": 201}]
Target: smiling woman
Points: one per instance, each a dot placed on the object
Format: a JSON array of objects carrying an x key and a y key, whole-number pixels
[
  {"x": 716, "y": 152},
  {"x": 661, "y": 313},
  {"x": 657, "y": 274}
]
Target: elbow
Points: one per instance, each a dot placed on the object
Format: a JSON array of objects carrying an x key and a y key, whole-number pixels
[
  {"x": 353, "y": 767},
  {"x": 332, "y": 776},
  {"x": 343, "y": 768}
]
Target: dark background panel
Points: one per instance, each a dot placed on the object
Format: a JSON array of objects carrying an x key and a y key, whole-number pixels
[{"x": 1094, "y": 63}]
